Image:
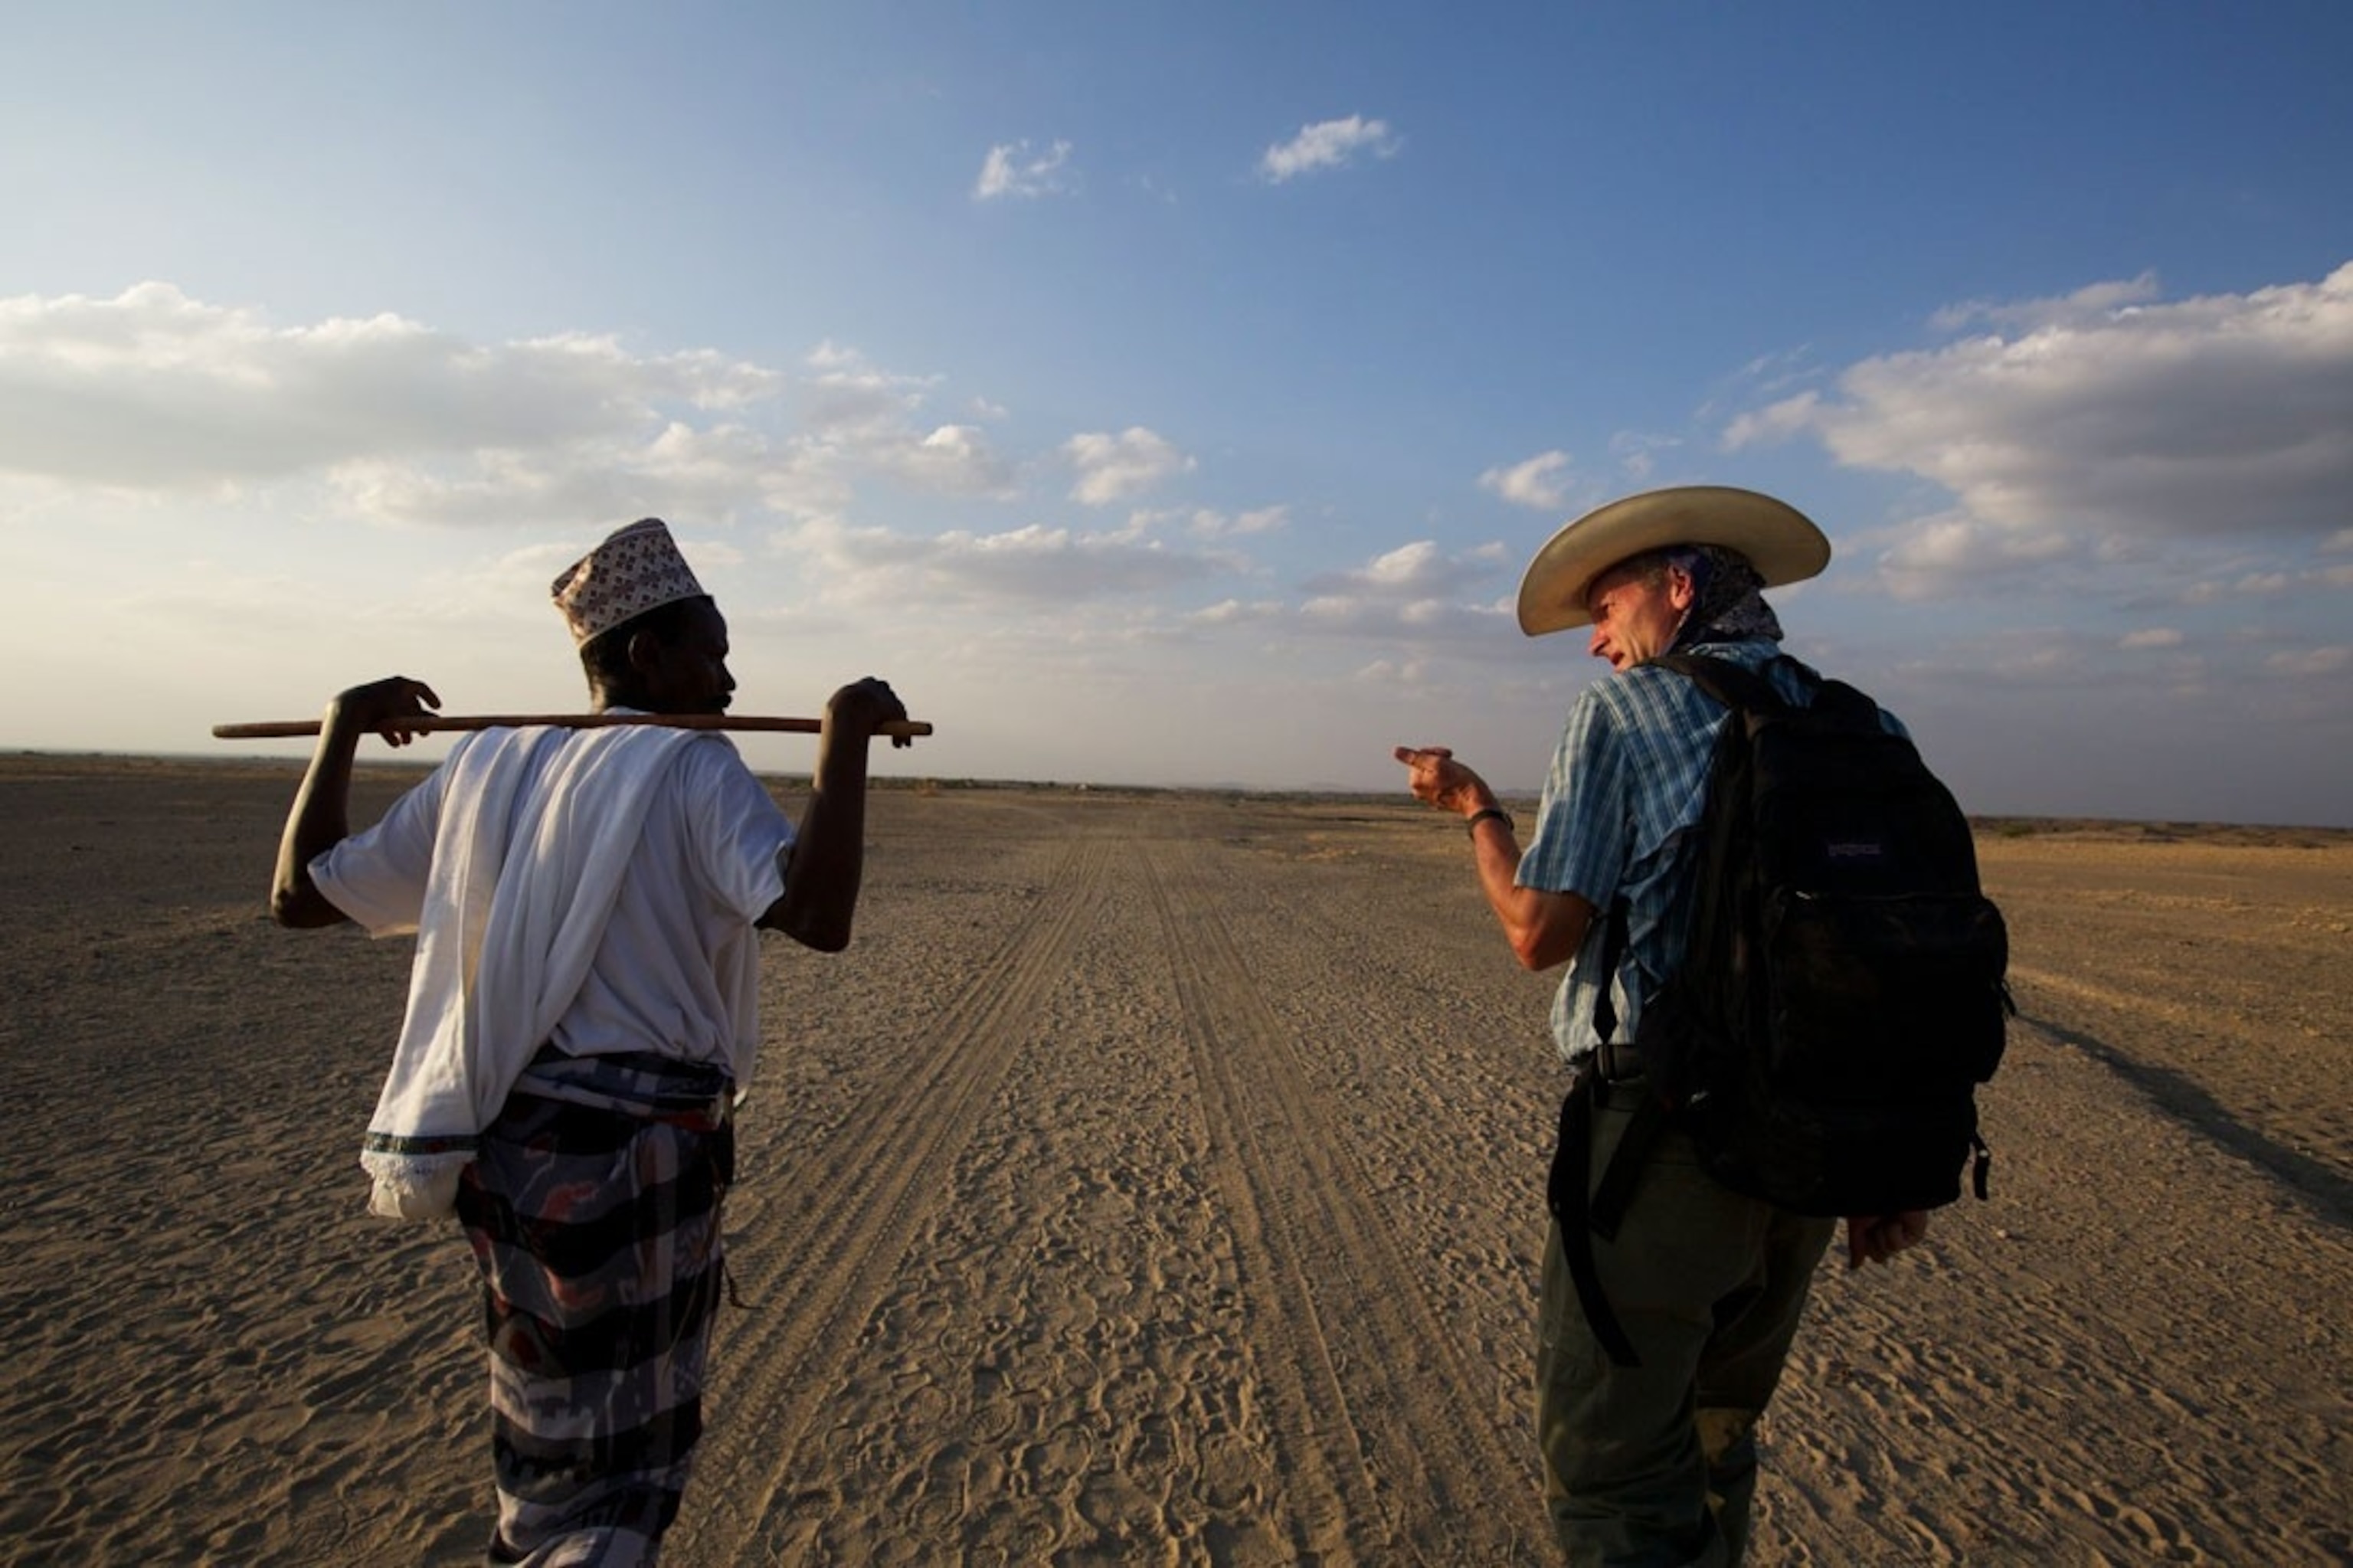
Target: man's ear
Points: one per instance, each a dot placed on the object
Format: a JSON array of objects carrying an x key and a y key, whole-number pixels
[
  {"x": 645, "y": 651},
  {"x": 1680, "y": 590}
]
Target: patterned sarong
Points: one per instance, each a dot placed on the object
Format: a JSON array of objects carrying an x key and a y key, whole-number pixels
[{"x": 593, "y": 1208}]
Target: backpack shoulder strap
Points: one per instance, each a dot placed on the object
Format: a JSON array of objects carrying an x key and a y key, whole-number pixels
[
  {"x": 1732, "y": 685},
  {"x": 1574, "y": 1209},
  {"x": 1738, "y": 687}
]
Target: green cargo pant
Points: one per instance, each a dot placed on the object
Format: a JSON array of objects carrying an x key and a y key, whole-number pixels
[{"x": 1656, "y": 1465}]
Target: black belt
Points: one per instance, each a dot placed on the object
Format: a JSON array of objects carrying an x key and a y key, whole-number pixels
[{"x": 1617, "y": 1061}]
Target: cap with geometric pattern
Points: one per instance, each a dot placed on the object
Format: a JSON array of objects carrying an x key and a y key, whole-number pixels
[{"x": 636, "y": 569}]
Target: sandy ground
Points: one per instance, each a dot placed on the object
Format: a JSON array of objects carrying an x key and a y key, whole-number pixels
[{"x": 1158, "y": 1179}]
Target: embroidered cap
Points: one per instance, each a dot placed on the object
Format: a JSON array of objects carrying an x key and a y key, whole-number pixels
[{"x": 636, "y": 569}]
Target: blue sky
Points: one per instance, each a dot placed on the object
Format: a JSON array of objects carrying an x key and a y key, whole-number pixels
[{"x": 1173, "y": 394}]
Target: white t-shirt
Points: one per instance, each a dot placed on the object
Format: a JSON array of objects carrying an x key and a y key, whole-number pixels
[{"x": 676, "y": 971}]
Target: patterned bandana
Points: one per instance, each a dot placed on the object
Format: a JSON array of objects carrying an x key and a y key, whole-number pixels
[
  {"x": 1726, "y": 604},
  {"x": 636, "y": 569}
]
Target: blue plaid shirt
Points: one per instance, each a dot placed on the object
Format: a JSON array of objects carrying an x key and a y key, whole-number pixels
[{"x": 1619, "y": 803}]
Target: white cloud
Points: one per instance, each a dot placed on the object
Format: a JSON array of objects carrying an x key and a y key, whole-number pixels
[
  {"x": 1208, "y": 523},
  {"x": 846, "y": 397},
  {"x": 1238, "y": 612},
  {"x": 1017, "y": 568},
  {"x": 1417, "y": 570},
  {"x": 1326, "y": 145},
  {"x": 2086, "y": 306},
  {"x": 1115, "y": 467},
  {"x": 2144, "y": 443},
  {"x": 954, "y": 460},
  {"x": 2218, "y": 416},
  {"x": 2248, "y": 585},
  {"x": 1213, "y": 524},
  {"x": 1950, "y": 552},
  {"x": 1009, "y": 171},
  {"x": 1393, "y": 672},
  {"x": 1477, "y": 631},
  {"x": 1774, "y": 422},
  {"x": 154, "y": 395},
  {"x": 1415, "y": 566},
  {"x": 1638, "y": 454},
  {"x": 151, "y": 391},
  {"x": 2311, "y": 662},
  {"x": 1535, "y": 482},
  {"x": 2151, "y": 637},
  {"x": 859, "y": 417}
]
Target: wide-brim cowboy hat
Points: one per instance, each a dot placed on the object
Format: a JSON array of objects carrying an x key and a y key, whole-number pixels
[{"x": 1779, "y": 541}]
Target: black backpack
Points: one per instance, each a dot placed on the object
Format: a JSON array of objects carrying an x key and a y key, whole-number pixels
[{"x": 1841, "y": 995}]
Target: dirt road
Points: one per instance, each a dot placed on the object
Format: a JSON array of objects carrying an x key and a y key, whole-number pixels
[{"x": 1157, "y": 1180}]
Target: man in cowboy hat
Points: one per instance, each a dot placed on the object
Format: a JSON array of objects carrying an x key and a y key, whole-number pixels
[
  {"x": 1653, "y": 1462},
  {"x": 583, "y": 1013}
]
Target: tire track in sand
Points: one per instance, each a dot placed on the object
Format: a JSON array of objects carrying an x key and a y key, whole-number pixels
[
  {"x": 843, "y": 1215},
  {"x": 1372, "y": 1394}
]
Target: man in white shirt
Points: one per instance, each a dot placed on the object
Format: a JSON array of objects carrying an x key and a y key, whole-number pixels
[{"x": 582, "y": 1013}]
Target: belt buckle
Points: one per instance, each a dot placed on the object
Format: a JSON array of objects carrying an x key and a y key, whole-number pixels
[{"x": 1610, "y": 1058}]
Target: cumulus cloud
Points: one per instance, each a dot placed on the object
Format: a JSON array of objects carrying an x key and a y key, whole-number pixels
[
  {"x": 865, "y": 419},
  {"x": 1417, "y": 593},
  {"x": 1777, "y": 421},
  {"x": 1238, "y": 612},
  {"x": 1016, "y": 567},
  {"x": 1214, "y": 524},
  {"x": 1010, "y": 171},
  {"x": 2334, "y": 660},
  {"x": 958, "y": 458},
  {"x": 2086, "y": 306},
  {"x": 1328, "y": 144},
  {"x": 1536, "y": 482},
  {"x": 1468, "y": 629},
  {"x": 1935, "y": 554},
  {"x": 1638, "y": 452},
  {"x": 151, "y": 393},
  {"x": 2247, "y": 585},
  {"x": 845, "y": 394},
  {"x": 1116, "y": 468},
  {"x": 2220, "y": 416},
  {"x": 1419, "y": 569}
]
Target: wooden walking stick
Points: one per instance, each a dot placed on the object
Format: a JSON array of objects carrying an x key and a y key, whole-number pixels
[{"x": 422, "y": 723}]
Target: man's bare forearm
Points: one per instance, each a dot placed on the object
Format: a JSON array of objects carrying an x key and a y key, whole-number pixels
[
  {"x": 826, "y": 864},
  {"x": 1544, "y": 929},
  {"x": 319, "y": 820}
]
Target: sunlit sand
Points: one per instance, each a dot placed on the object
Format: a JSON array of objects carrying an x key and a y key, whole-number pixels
[{"x": 1157, "y": 1180}]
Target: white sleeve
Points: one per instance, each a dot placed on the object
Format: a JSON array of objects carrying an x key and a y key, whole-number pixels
[
  {"x": 378, "y": 877},
  {"x": 738, "y": 830}
]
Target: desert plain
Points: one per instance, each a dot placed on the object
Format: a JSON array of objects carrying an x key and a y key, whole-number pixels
[{"x": 1157, "y": 1180}]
